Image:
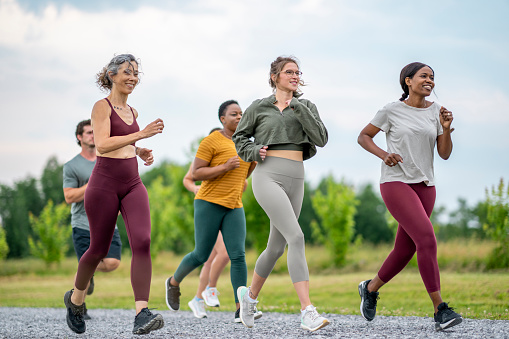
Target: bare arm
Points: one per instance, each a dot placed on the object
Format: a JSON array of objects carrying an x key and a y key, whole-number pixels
[
  {"x": 444, "y": 141},
  {"x": 251, "y": 168},
  {"x": 101, "y": 124},
  {"x": 72, "y": 194},
  {"x": 201, "y": 170},
  {"x": 189, "y": 183},
  {"x": 365, "y": 139}
]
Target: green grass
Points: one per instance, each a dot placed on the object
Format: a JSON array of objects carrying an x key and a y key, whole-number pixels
[{"x": 465, "y": 284}]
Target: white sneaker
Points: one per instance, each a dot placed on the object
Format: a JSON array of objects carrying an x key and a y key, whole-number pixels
[
  {"x": 210, "y": 296},
  {"x": 311, "y": 320},
  {"x": 247, "y": 308},
  {"x": 198, "y": 308}
]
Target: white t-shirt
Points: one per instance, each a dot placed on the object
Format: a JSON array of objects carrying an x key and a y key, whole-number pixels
[{"x": 412, "y": 133}]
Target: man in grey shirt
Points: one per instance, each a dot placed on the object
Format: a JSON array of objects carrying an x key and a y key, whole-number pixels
[{"x": 76, "y": 174}]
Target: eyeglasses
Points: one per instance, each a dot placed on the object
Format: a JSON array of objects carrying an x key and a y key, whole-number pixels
[{"x": 290, "y": 73}]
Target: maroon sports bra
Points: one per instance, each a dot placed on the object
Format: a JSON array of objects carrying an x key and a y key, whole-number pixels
[{"x": 118, "y": 127}]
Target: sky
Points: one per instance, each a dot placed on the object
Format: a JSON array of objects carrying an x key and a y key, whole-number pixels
[{"x": 195, "y": 54}]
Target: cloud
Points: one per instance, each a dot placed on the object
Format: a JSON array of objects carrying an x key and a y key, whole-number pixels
[{"x": 196, "y": 54}]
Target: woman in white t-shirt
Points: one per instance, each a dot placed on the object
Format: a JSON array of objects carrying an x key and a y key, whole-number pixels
[{"x": 413, "y": 125}]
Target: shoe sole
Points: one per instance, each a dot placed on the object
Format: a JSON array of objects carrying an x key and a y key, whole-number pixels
[
  {"x": 256, "y": 317},
  {"x": 240, "y": 302},
  {"x": 322, "y": 325},
  {"x": 166, "y": 284},
  {"x": 451, "y": 323},
  {"x": 67, "y": 306},
  {"x": 152, "y": 325},
  {"x": 204, "y": 295},
  {"x": 361, "y": 288},
  {"x": 195, "y": 312}
]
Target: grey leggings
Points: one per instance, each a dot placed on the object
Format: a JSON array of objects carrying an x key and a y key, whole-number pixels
[{"x": 278, "y": 185}]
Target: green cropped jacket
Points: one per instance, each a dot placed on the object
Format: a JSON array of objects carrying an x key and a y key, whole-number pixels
[{"x": 299, "y": 124}]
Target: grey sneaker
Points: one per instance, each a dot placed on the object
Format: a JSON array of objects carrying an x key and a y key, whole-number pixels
[
  {"x": 311, "y": 320},
  {"x": 85, "y": 315},
  {"x": 198, "y": 308},
  {"x": 257, "y": 315},
  {"x": 247, "y": 308},
  {"x": 446, "y": 317},
  {"x": 74, "y": 314},
  {"x": 91, "y": 286},
  {"x": 368, "y": 301},
  {"x": 145, "y": 322},
  {"x": 172, "y": 296}
]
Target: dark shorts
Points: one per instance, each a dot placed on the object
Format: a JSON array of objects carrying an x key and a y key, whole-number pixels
[{"x": 81, "y": 240}]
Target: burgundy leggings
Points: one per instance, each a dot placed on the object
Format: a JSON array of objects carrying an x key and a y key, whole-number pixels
[
  {"x": 116, "y": 186},
  {"x": 411, "y": 205}
]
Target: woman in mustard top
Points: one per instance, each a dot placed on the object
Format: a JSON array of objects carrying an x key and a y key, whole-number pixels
[{"x": 217, "y": 205}]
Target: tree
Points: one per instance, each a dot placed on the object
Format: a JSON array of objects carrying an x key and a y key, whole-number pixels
[
  {"x": 335, "y": 208},
  {"x": 4, "y": 248},
  {"x": 307, "y": 215},
  {"x": 172, "y": 212},
  {"x": 257, "y": 222},
  {"x": 52, "y": 232},
  {"x": 370, "y": 221},
  {"x": 497, "y": 225},
  {"x": 52, "y": 181},
  {"x": 15, "y": 204}
]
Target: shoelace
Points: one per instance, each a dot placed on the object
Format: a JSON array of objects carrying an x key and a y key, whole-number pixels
[
  {"x": 214, "y": 291},
  {"x": 313, "y": 313},
  {"x": 371, "y": 299},
  {"x": 78, "y": 311},
  {"x": 174, "y": 291},
  {"x": 251, "y": 307}
]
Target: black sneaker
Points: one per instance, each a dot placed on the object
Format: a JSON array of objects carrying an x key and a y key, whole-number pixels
[
  {"x": 85, "y": 315},
  {"x": 91, "y": 286},
  {"x": 74, "y": 314},
  {"x": 368, "y": 301},
  {"x": 172, "y": 295},
  {"x": 446, "y": 317},
  {"x": 145, "y": 322}
]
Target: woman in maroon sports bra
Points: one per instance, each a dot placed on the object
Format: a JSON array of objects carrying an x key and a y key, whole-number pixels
[{"x": 115, "y": 186}]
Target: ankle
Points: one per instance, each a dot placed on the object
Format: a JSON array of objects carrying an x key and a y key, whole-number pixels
[
  {"x": 173, "y": 282},
  {"x": 251, "y": 295}
]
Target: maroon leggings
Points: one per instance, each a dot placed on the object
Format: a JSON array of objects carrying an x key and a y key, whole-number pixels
[
  {"x": 411, "y": 205},
  {"x": 115, "y": 185}
]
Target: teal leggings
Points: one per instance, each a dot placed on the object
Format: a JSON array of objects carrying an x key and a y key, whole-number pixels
[{"x": 209, "y": 219}]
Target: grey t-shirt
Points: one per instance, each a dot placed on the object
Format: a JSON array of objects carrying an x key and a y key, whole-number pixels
[
  {"x": 412, "y": 133},
  {"x": 77, "y": 171}
]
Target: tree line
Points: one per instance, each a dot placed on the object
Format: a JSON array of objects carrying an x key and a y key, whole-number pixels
[{"x": 35, "y": 220}]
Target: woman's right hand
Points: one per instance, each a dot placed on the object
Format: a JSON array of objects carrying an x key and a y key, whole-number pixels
[
  {"x": 392, "y": 159},
  {"x": 232, "y": 163},
  {"x": 155, "y": 127},
  {"x": 263, "y": 152}
]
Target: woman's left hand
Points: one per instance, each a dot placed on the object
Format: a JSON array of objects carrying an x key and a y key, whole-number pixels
[
  {"x": 145, "y": 154},
  {"x": 446, "y": 118}
]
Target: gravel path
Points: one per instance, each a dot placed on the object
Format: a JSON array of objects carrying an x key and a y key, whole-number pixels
[{"x": 50, "y": 323}]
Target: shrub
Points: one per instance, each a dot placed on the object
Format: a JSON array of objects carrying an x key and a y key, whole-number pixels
[
  {"x": 51, "y": 230},
  {"x": 335, "y": 205},
  {"x": 497, "y": 224}
]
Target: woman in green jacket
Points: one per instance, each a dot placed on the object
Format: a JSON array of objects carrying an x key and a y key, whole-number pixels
[{"x": 286, "y": 131}]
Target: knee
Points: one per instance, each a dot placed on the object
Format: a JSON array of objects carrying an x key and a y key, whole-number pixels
[
  {"x": 296, "y": 240},
  {"x": 275, "y": 252},
  {"x": 223, "y": 258},
  {"x": 427, "y": 244},
  {"x": 142, "y": 245},
  {"x": 108, "y": 265}
]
